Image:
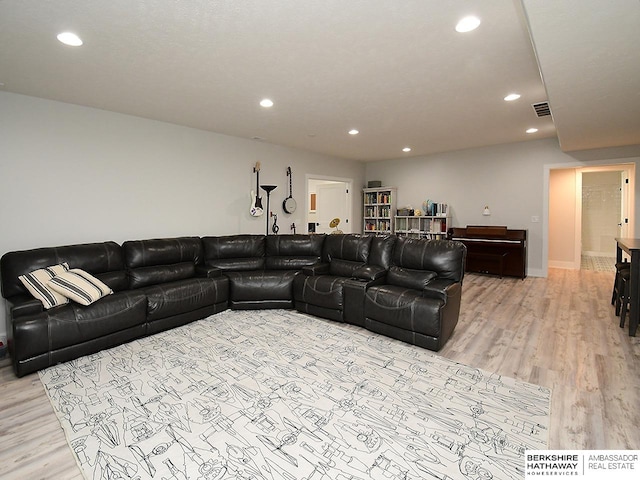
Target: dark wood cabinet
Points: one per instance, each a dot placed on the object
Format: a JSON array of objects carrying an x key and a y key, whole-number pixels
[{"x": 493, "y": 249}]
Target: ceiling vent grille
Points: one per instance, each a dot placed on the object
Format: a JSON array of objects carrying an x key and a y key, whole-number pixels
[{"x": 542, "y": 109}]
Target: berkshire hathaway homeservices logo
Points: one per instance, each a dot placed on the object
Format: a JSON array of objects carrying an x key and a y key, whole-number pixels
[{"x": 583, "y": 464}]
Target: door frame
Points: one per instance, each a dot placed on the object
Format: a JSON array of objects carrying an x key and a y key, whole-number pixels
[
  {"x": 326, "y": 178},
  {"x": 617, "y": 164},
  {"x": 623, "y": 168}
]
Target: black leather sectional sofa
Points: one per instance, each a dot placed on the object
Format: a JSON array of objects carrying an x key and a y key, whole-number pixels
[{"x": 408, "y": 289}]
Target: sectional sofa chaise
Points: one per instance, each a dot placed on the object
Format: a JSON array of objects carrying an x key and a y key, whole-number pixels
[{"x": 408, "y": 289}]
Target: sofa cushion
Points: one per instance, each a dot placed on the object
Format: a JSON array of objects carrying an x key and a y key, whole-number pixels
[
  {"x": 346, "y": 247},
  {"x": 322, "y": 290},
  {"x": 403, "y": 308},
  {"x": 117, "y": 280},
  {"x": 261, "y": 285},
  {"x": 73, "y": 324},
  {"x": 98, "y": 259},
  {"x": 443, "y": 257},
  {"x": 37, "y": 283},
  {"x": 162, "y": 251},
  {"x": 344, "y": 268},
  {"x": 292, "y": 252},
  {"x": 79, "y": 286},
  {"x": 143, "y": 276},
  {"x": 381, "y": 250},
  {"x": 174, "y": 298},
  {"x": 409, "y": 278},
  {"x": 235, "y": 252}
]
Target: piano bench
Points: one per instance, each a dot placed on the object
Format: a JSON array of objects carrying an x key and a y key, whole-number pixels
[{"x": 486, "y": 262}]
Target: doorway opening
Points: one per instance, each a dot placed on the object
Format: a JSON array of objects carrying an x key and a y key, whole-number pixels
[
  {"x": 328, "y": 199},
  {"x": 588, "y": 208},
  {"x": 602, "y": 218}
]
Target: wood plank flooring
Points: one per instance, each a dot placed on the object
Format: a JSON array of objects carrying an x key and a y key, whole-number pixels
[{"x": 559, "y": 332}]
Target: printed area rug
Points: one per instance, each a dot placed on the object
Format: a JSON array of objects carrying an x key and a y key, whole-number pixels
[{"x": 276, "y": 394}]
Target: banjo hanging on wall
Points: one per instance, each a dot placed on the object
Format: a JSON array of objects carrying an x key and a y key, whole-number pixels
[{"x": 289, "y": 204}]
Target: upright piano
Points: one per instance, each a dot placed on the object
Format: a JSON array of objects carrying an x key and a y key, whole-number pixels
[{"x": 493, "y": 249}]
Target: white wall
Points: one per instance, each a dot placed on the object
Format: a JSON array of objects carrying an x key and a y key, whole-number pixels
[
  {"x": 71, "y": 174},
  {"x": 512, "y": 179},
  {"x": 562, "y": 219}
]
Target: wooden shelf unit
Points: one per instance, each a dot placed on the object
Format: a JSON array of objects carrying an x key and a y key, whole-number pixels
[
  {"x": 379, "y": 207},
  {"x": 434, "y": 227}
]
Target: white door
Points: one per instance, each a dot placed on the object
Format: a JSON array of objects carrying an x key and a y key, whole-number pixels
[
  {"x": 624, "y": 204},
  {"x": 332, "y": 202}
]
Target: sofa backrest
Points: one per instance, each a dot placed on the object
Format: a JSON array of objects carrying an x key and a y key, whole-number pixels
[
  {"x": 161, "y": 260},
  {"x": 103, "y": 260},
  {"x": 382, "y": 250},
  {"x": 235, "y": 252},
  {"x": 292, "y": 252},
  {"x": 444, "y": 258},
  {"x": 346, "y": 252}
]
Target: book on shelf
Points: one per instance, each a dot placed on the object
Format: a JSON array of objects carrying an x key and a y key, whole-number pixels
[
  {"x": 437, "y": 209},
  {"x": 384, "y": 197}
]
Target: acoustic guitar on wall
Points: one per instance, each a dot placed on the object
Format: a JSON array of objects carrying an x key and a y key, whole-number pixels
[{"x": 256, "y": 209}]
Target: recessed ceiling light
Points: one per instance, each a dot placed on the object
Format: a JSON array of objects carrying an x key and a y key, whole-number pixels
[
  {"x": 511, "y": 97},
  {"x": 70, "y": 39},
  {"x": 467, "y": 24},
  {"x": 531, "y": 130},
  {"x": 266, "y": 103},
  {"x": 406, "y": 149},
  {"x": 353, "y": 132}
]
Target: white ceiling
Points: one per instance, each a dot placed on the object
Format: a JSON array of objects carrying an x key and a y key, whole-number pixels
[{"x": 394, "y": 69}]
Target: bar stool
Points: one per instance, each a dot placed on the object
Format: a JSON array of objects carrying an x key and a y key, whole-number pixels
[
  {"x": 623, "y": 299},
  {"x": 617, "y": 290}
]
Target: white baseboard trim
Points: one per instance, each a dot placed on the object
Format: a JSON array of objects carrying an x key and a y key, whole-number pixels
[
  {"x": 599, "y": 254},
  {"x": 535, "y": 272},
  {"x": 564, "y": 265}
]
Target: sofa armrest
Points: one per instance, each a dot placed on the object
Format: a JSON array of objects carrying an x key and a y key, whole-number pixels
[
  {"x": 449, "y": 292},
  {"x": 22, "y": 305},
  {"x": 442, "y": 289},
  {"x": 370, "y": 272},
  {"x": 316, "y": 269},
  {"x": 204, "y": 271}
]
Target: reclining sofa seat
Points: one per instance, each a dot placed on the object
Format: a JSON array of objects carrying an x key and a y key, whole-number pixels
[
  {"x": 39, "y": 338},
  {"x": 420, "y": 300},
  {"x": 261, "y": 269},
  {"x": 177, "y": 287},
  {"x": 334, "y": 289}
]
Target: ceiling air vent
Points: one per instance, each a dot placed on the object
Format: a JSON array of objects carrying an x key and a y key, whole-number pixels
[{"x": 542, "y": 109}]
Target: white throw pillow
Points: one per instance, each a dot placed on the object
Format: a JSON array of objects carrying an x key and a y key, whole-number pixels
[
  {"x": 37, "y": 284},
  {"x": 79, "y": 286}
]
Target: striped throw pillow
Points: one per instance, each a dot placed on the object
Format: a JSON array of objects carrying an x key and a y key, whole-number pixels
[
  {"x": 79, "y": 286},
  {"x": 37, "y": 284}
]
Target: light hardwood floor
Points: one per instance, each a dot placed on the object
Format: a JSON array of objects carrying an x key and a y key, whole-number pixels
[{"x": 559, "y": 332}]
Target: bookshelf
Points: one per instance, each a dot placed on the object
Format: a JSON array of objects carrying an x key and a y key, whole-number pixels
[
  {"x": 429, "y": 226},
  {"x": 379, "y": 207}
]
